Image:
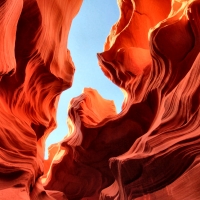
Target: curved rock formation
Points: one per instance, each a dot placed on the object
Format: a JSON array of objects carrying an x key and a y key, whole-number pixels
[
  {"x": 148, "y": 151},
  {"x": 35, "y": 68}
]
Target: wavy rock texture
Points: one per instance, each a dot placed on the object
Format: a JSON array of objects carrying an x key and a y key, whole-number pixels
[
  {"x": 35, "y": 68},
  {"x": 148, "y": 151}
]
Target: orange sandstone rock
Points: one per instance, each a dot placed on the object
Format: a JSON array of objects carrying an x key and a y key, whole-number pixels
[
  {"x": 148, "y": 151},
  {"x": 35, "y": 68}
]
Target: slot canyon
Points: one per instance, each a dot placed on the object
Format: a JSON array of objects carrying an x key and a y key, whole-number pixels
[{"x": 148, "y": 151}]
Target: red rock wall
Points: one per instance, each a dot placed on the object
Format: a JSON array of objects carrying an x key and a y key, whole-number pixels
[
  {"x": 148, "y": 151},
  {"x": 35, "y": 67}
]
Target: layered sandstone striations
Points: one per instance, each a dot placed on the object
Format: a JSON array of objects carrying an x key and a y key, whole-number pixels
[
  {"x": 148, "y": 151},
  {"x": 35, "y": 67}
]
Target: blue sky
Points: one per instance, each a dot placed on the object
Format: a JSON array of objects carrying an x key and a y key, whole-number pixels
[{"x": 86, "y": 38}]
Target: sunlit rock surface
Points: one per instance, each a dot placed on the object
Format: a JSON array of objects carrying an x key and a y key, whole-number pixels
[
  {"x": 151, "y": 150},
  {"x": 35, "y": 67}
]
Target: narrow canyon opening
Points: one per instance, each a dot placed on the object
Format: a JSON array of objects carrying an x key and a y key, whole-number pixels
[{"x": 87, "y": 36}]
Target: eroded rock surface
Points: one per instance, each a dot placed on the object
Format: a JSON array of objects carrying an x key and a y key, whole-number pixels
[
  {"x": 35, "y": 68},
  {"x": 148, "y": 151}
]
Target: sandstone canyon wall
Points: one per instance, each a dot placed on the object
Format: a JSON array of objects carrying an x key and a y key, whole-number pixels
[{"x": 148, "y": 151}]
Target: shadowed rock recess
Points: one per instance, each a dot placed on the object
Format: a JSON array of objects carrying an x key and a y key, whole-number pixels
[{"x": 151, "y": 150}]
